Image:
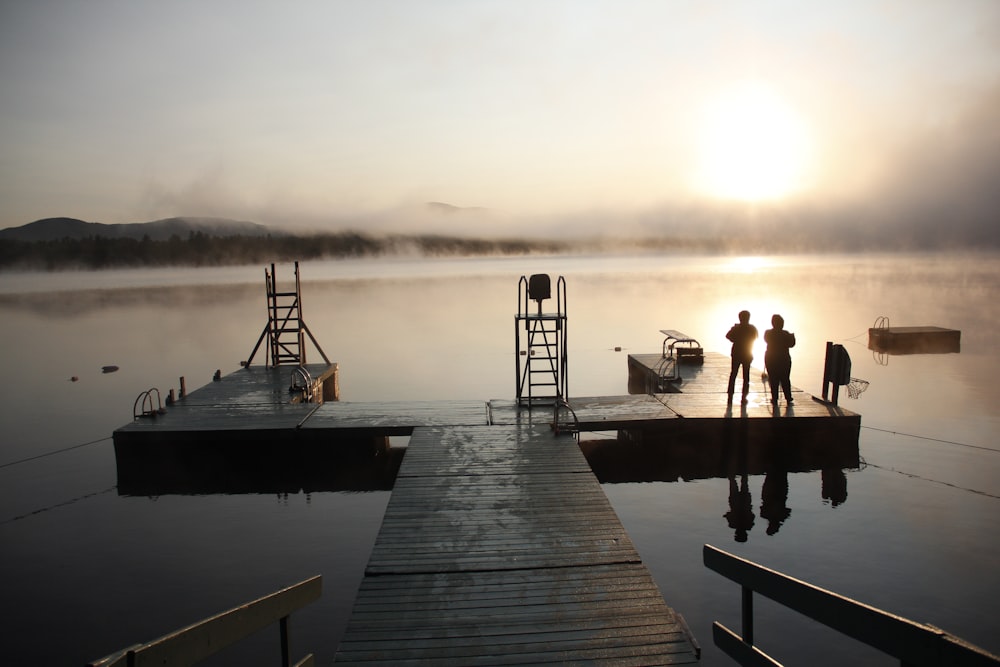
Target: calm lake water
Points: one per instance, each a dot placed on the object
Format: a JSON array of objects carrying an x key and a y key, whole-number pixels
[{"x": 86, "y": 571}]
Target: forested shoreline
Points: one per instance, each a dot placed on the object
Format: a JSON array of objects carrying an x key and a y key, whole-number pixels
[{"x": 200, "y": 249}]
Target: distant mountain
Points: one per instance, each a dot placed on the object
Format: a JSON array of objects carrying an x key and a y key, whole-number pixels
[
  {"x": 55, "y": 229},
  {"x": 443, "y": 208}
]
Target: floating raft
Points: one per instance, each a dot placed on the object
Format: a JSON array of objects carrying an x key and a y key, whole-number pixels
[{"x": 914, "y": 340}]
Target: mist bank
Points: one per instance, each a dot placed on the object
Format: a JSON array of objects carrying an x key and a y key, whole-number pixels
[{"x": 199, "y": 249}]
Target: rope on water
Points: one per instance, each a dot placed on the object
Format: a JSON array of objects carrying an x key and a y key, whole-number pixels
[
  {"x": 57, "y": 505},
  {"x": 936, "y": 481},
  {"x": 54, "y": 452},
  {"x": 924, "y": 437}
]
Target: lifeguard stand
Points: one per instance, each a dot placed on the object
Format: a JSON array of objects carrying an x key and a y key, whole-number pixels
[
  {"x": 541, "y": 357},
  {"x": 285, "y": 329}
]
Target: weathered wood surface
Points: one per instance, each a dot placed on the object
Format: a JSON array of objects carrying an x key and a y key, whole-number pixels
[
  {"x": 250, "y": 400},
  {"x": 253, "y": 385},
  {"x": 711, "y": 376},
  {"x": 498, "y": 546},
  {"x": 595, "y": 413},
  {"x": 400, "y": 416},
  {"x": 198, "y": 641}
]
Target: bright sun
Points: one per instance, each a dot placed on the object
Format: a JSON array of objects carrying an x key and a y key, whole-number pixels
[{"x": 753, "y": 146}]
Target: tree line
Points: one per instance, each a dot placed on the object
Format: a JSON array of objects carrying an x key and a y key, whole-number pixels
[{"x": 200, "y": 249}]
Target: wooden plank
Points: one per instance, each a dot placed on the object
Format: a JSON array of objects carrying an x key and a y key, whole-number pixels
[
  {"x": 200, "y": 640},
  {"x": 544, "y": 615},
  {"x": 887, "y": 632},
  {"x": 498, "y": 546},
  {"x": 710, "y": 376},
  {"x": 734, "y": 646},
  {"x": 402, "y": 416},
  {"x": 473, "y": 498},
  {"x": 592, "y": 413},
  {"x": 255, "y": 385},
  {"x": 470, "y": 450},
  {"x": 715, "y": 406}
]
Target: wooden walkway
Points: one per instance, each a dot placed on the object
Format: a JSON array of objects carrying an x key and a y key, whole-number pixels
[{"x": 498, "y": 546}]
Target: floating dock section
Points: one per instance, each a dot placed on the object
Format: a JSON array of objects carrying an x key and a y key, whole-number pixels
[{"x": 914, "y": 340}]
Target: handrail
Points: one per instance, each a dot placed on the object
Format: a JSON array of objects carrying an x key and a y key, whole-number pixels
[
  {"x": 200, "y": 640},
  {"x": 912, "y": 643},
  {"x": 306, "y": 387}
]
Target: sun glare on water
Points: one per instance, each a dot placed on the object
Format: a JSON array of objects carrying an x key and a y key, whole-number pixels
[{"x": 753, "y": 146}]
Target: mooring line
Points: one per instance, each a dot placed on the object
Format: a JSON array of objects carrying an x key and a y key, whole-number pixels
[
  {"x": 57, "y": 505},
  {"x": 924, "y": 437},
  {"x": 936, "y": 481},
  {"x": 53, "y": 453}
]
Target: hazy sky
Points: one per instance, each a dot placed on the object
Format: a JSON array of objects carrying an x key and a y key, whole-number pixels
[{"x": 329, "y": 113}]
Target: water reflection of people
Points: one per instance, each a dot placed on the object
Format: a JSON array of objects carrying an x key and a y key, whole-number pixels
[
  {"x": 742, "y": 336},
  {"x": 777, "y": 360},
  {"x": 773, "y": 500},
  {"x": 834, "y": 486},
  {"x": 740, "y": 515}
]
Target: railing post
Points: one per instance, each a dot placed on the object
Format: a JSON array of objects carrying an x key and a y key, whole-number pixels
[{"x": 748, "y": 615}]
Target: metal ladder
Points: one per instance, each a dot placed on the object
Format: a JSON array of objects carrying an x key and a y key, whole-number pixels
[{"x": 542, "y": 358}]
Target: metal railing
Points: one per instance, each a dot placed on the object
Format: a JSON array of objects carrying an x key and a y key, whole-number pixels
[
  {"x": 198, "y": 641},
  {"x": 914, "y": 644}
]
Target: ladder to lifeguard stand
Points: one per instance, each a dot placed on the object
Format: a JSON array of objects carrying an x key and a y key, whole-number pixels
[
  {"x": 285, "y": 335},
  {"x": 285, "y": 329},
  {"x": 542, "y": 358}
]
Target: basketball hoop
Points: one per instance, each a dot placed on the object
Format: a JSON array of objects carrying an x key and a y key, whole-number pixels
[{"x": 856, "y": 387}]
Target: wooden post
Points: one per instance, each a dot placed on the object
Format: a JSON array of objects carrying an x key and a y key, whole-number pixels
[
  {"x": 835, "y": 366},
  {"x": 286, "y": 656},
  {"x": 826, "y": 369},
  {"x": 331, "y": 385},
  {"x": 183, "y": 388}
]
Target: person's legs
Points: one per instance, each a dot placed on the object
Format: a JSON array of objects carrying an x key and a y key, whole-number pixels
[
  {"x": 772, "y": 382},
  {"x": 732, "y": 378},
  {"x": 746, "y": 379}
]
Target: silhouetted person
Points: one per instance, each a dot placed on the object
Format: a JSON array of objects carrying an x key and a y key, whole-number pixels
[
  {"x": 740, "y": 515},
  {"x": 742, "y": 336},
  {"x": 777, "y": 360},
  {"x": 773, "y": 499}
]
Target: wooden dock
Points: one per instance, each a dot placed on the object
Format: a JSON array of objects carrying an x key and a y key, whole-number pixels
[
  {"x": 498, "y": 546},
  {"x": 709, "y": 437},
  {"x": 914, "y": 340}
]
